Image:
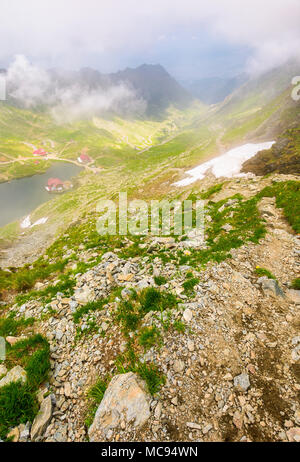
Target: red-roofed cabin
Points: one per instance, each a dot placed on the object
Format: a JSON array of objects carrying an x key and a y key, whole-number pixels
[
  {"x": 54, "y": 184},
  {"x": 84, "y": 159},
  {"x": 40, "y": 152}
]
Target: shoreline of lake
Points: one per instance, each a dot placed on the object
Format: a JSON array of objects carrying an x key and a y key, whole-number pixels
[{"x": 20, "y": 196}]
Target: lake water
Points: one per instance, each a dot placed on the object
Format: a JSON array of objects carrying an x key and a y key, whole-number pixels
[{"x": 19, "y": 198}]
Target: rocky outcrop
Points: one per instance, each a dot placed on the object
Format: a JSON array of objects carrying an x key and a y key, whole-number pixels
[
  {"x": 14, "y": 375},
  {"x": 270, "y": 287},
  {"x": 283, "y": 157},
  {"x": 125, "y": 402},
  {"x": 43, "y": 419}
]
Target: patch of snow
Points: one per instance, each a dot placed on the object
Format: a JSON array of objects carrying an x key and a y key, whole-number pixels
[
  {"x": 41, "y": 221},
  {"x": 26, "y": 223},
  {"x": 227, "y": 165}
]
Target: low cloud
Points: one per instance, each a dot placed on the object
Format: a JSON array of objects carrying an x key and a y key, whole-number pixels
[
  {"x": 77, "y": 33},
  {"x": 67, "y": 100}
]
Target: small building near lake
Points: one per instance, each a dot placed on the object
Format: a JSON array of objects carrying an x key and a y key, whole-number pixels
[
  {"x": 40, "y": 152},
  {"x": 84, "y": 159},
  {"x": 55, "y": 185}
]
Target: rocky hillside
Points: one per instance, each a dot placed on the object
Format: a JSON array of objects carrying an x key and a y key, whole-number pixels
[
  {"x": 283, "y": 157},
  {"x": 160, "y": 338}
]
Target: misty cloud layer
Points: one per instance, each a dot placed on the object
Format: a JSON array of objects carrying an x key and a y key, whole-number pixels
[
  {"x": 104, "y": 35},
  {"x": 31, "y": 87}
]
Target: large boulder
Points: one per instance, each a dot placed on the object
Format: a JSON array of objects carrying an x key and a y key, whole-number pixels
[
  {"x": 14, "y": 375},
  {"x": 42, "y": 419},
  {"x": 125, "y": 400}
]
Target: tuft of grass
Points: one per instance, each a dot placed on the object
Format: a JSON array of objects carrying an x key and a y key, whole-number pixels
[
  {"x": 149, "y": 337},
  {"x": 264, "y": 272},
  {"x": 128, "y": 316},
  {"x": 152, "y": 376},
  {"x": 131, "y": 312},
  {"x": 179, "y": 326},
  {"x": 296, "y": 284},
  {"x": 189, "y": 285},
  {"x": 153, "y": 300},
  {"x": 95, "y": 395},
  {"x": 11, "y": 326},
  {"x": 65, "y": 286},
  {"x": 160, "y": 280},
  {"x": 287, "y": 194},
  {"x": 129, "y": 362},
  {"x": 90, "y": 306},
  {"x": 211, "y": 191},
  {"x": 17, "y": 405},
  {"x": 18, "y": 402},
  {"x": 25, "y": 278},
  {"x": 247, "y": 226},
  {"x": 33, "y": 354}
]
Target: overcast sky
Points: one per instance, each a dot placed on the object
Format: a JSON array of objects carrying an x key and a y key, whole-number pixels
[{"x": 191, "y": 38}]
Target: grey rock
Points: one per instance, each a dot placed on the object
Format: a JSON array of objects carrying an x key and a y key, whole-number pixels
[
  {"x": 73, "y": 306},
  {"x": 59, "y": 334},
  {"x": 83, "y": 295},
  {"x": 187, "y": 315},
  {"x": 126, "y": 399},
  {"x": 242, "y": 381},
  {"x": 43, "y": 419},
  {"x": 296, "y": 353},
  {"x": 178, "y": 365},
  {"x": 109, "y": 256},
  {"x": 14, "y": 375},
  {"x": 270, "y": 286},
  {"x": 25, "y": 433}
]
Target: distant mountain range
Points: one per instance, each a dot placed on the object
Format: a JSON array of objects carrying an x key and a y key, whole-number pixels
[
  {"x": 215, "y": 89},
  {"x": 151, "y": 82}
]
